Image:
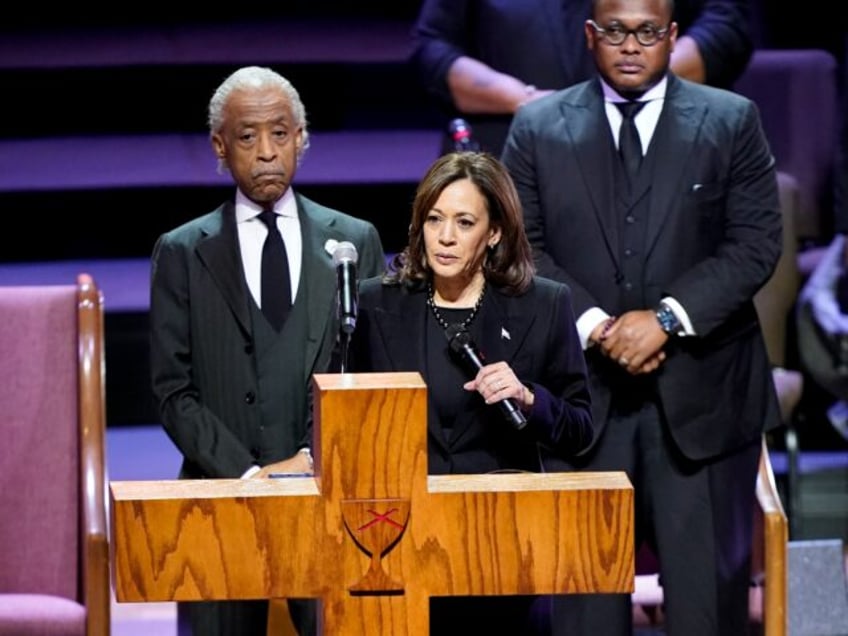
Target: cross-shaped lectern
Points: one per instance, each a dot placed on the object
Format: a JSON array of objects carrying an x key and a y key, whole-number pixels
[{"x": 371, "y": 535}]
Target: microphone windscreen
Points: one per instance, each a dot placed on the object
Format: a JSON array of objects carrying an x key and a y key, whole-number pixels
[
  {"x": 345, "y": 252},
  {"x": 457, "y": 336}
]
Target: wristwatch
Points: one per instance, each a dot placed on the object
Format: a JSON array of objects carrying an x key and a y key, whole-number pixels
[{"x": 668, "y": 320}]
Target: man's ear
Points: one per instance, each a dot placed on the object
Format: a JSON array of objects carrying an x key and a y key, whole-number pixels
[
  {"x": 218, "y": 146},
  {"x": 298, "y": 141},
  {"x": 589, "y": 32}
]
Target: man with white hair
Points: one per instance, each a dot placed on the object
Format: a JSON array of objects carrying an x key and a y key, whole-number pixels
[{"x": 231, "y": 355}]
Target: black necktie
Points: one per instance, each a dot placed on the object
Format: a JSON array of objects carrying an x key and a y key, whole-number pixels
[
  {"x": 629, "y": 145},
  {"x": 276, "y": 284}
]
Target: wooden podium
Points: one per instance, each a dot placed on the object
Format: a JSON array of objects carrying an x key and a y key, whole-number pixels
[{"x": 371, "y": 534}]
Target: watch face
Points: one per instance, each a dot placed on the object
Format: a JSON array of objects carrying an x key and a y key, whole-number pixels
[
  {"x": 664, "y": 319},
  {"x": 667, "y": 319}
]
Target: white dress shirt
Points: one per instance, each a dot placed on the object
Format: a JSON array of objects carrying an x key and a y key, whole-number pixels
[{"x": 252, "y": 233}]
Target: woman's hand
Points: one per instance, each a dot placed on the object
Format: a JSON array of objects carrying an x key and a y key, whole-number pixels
[{"x": 496, "y": 382}]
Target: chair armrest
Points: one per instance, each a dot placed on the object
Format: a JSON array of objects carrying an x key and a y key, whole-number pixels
[
  {"x": 772, "y": 519},
  {"x": 92, "y": 416}
]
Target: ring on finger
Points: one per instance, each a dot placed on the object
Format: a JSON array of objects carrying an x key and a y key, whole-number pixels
[{"x": 623, "y": 361}]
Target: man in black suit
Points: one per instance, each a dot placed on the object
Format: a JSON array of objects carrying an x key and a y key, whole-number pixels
[
  {"x": 483, "y": 59},
  {"x": 663, "y": 266},
  {"x": 233, "y": 388}
]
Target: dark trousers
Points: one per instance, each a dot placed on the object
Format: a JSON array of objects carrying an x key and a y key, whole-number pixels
[
  {"x": 241, "y": 618},
  {"x": 507, "y": 615},
  {"x": 697, "y": 516}
]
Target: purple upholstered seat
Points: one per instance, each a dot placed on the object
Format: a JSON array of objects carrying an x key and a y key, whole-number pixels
[
  {"x": 797, "y": 95},
  {"x": 53, "y": 546},
  {"x": 41, "y": 614}
]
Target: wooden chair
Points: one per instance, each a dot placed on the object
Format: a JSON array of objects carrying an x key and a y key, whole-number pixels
[
  {"x": 768, "y": 598},
  {"x": 54, "y": 551},
  {"x": 769, "y": 571}
]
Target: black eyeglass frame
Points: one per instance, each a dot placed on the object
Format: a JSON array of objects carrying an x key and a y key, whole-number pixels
[{"x": 655, "y": 34}]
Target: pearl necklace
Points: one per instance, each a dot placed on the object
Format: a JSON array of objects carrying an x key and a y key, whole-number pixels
[{"x": 444, "y": 323}]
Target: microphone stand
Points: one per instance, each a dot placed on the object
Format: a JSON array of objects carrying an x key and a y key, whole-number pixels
[{"x": 344, "y": 338}]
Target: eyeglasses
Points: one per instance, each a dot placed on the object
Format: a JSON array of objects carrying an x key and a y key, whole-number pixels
[{"x": 616, "y": 34}]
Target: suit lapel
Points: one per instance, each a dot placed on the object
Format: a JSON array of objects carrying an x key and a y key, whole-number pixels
[
  {"x": 674, "y": 146},
  {"x": 317, "y": 279},
  {"x": 504, "y": 326},
  {"x": 402, "y": 314},
  {"x": 220, "y": 253},
  {"x": 586, "y": 123}
]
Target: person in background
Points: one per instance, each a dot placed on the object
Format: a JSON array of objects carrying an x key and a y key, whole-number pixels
[
  {"x": 466, "y": 278},
  {"x": 822, "y": 308},
  {"x": 231, "y": 380},
  {"x": 664, "y": 243},
  {"x": 483, "y": 59}
]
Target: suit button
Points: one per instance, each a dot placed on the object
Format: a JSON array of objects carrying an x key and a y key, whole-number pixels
[
  {"x": 630, "y": 218},
  {"x": 254, "y": 452},
  {"x": 628, "y": 252},
  {"x": 248, "y": 348},
  {"x": 628, "y": 286},
  {"x": 250, "y": 397}
]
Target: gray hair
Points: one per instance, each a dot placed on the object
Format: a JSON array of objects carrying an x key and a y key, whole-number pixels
[{"x": 253, "y": 78}]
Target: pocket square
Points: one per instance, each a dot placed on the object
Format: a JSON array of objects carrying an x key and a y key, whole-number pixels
[{"x": 505, "y": 334}]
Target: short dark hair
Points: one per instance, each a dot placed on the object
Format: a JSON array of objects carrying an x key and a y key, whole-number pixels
[{"x": 669, "y": 5}]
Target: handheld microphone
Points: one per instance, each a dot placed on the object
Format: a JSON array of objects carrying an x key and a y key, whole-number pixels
[
  {"x": 344, "y": 259},
  {"x": 460, "y": 133},
  {"x": 461, "y": 343}
]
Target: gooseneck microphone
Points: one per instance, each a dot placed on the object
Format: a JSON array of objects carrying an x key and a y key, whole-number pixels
[
  {"x": 460, "y": 134},
  {"x": 344, "y": 259},
  {"x": 460, "y": 343}
]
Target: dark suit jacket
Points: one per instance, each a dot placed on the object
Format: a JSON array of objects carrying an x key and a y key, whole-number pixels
[
  {"x": 541, "y": 42},
  {"x": 533, "y": 332},
  {"x": 713, "y": 237},
  {"x": 202, "y": 354}
]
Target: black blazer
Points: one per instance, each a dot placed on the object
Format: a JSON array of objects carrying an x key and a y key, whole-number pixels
[
  {"x": 202, "y": 355},
  {"x": 533, "y": 332},
  {"x": 713, "y": 237}
]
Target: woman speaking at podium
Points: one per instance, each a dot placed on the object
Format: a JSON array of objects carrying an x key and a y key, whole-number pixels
[{"x": 496, "y": 345}]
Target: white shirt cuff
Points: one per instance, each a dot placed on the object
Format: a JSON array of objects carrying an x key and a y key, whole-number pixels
[
  {"x": 250, "y": 472},
  {"x": 587, "y": 322}
]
